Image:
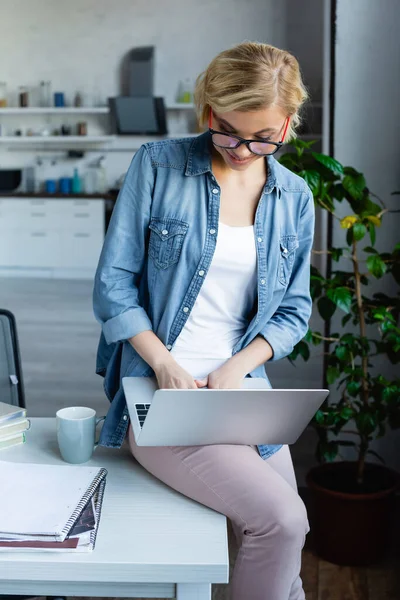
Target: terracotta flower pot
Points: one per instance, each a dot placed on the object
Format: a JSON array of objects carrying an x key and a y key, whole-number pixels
[{"x": 351, "y": 525}]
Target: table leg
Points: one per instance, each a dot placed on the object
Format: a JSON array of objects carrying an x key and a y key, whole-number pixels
[{"x": 193, "y": 591}]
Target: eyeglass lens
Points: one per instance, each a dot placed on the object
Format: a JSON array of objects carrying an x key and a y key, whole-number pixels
[{"x": 225, "y": 141}]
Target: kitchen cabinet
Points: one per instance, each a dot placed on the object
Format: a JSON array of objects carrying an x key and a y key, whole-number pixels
[{"x": 59, "y": 238}]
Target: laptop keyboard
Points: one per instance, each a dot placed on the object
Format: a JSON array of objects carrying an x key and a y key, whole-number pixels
[{"x": 142, "y": 410}]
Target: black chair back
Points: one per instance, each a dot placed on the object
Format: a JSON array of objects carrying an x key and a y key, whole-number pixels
[{"x": 11, "y": 380}]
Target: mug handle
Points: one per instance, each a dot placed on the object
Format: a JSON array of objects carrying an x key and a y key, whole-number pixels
[{"x": 98, "y": 421}]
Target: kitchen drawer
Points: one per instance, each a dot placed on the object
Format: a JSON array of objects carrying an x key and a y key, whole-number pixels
[
  {"x": 77, "y": 215},
  {"x": 83, "y": 220},
  {"x": 80, "y": 249},
  {"x": 29, "y": 219},
  {"x": 73, "y": 205},
  {"x": 20, "y": 248}
]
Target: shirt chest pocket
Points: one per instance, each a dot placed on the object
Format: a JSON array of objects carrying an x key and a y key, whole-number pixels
[
  {"x": 287, "y": 247},
  {"x": 166, "y": 241}
]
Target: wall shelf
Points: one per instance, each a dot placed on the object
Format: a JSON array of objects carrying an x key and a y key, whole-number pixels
[
  {"x": 180, "y": 106},
  {"x": 95, "y": 110},
  {"x": 57, "y": 139},
  {"x": 84, "y": 110}
]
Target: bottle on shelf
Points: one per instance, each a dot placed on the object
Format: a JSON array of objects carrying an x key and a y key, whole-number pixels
[
  {"x": 102, "y": 186},
  {"x": 185, "y": 94},
  {"x": 78, "y": 101},
  {"x": 43, "y": 94},
  {"x": 23, "y": 96},
  {"x": 3, "y": 94},
  {"x": 76, "y": 187},
  {"x": 90, "y": 180}
]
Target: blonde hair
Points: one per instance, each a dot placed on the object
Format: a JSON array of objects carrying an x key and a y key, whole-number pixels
[{"x": 251, "y": 76}]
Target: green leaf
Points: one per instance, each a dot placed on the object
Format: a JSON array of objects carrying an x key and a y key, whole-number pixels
[
  {"x": 312, "y": 178},
  {"x": 359, "y": 230},
  {"x": 328, "y": 450},
  {"x": 366, "y": 422},
  {"x": 308, "y": 337},
  {"x": 288, "y": 160},
  {"x": 316, "y": 340},
  {"x": 391, "y": 393},
  {"x": 332, "y": 374},
  {"x": 354, "y": 185},
  {"x": 304, "y": 350},
  {"x": 326, "y": 307},
  {"x": 347, "y": 412},
  {"x": 319, "y": 417},
  {"x": 338, "y": 192},
  {"x": 328, "y": 162},
  {"x": 342, "y": 352},
  {"x": 349, "y": 236},
  {"x": 341, "y": 297},
  {"x": 370, "y": 250},
  {"x": 336, "y": 253},
  {"x": 346, "y": 319},
  {"x": 376, "y": 266},
  {"x": 372, "y": 233},
  {"x": 347, "y": 338},
  {"x": 381, "y": 313},
  {"x": 353, "y": 388}
]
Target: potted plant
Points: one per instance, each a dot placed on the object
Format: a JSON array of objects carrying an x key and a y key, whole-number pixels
[{"x": 352, "y": 499}]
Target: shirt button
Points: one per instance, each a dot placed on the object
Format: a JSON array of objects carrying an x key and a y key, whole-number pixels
[
  {"x": 169, "y": 347},
  {"x": 186, "y": 309},
  {"x": 201, "y": 273},
  {"x": 212, "y": 231},
  {"x": 262, "y": 281},
  {"x": 164, "y": 232},
  {"x": 259, "y": 239},
  {"x": 215, "y": 191},
  {"x": 125, "y": 418}
]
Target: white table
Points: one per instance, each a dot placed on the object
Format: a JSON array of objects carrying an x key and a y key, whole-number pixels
[{"x": 152, "y": 541}]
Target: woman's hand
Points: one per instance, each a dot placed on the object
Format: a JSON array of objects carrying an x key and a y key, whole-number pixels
[
  {"x": 171, "y": 376},
  {"x": 228, "y": 376}
]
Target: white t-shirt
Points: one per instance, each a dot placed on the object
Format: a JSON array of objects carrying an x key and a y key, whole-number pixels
[{"x": 220, "y": 314}]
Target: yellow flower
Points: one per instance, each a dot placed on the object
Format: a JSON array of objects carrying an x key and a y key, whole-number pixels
[
  {"x": 374, "y": 220},
  {"x": 348, "y": 222}
]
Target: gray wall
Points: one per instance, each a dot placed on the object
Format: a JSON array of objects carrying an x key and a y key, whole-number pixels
[{"x": 366, "y": 126}]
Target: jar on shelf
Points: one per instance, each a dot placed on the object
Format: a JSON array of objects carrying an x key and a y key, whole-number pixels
[
  {"x": 185, "y": 92},
  {"x": 44, "y": 100},
  {"x": 23, "y": 96},
  {"x": 3, "y": 94}
]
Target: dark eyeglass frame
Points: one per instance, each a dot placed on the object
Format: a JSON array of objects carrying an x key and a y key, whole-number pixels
[{"x": 241, "y": 140}]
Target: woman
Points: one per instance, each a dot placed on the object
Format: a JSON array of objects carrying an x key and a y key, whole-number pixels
[{"x": 204, "y": 277}]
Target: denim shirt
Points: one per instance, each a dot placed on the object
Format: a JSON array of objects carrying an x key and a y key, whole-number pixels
[{"x": 157, "y": 251}]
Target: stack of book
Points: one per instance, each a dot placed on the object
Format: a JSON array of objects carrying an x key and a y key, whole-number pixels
[{"x": 13, "y": 424}]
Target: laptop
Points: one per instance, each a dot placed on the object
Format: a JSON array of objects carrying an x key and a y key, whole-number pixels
[{"x": 252, "y": 415}]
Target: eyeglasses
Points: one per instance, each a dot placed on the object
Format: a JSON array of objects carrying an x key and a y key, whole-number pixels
[{"x": 231, "y": 141}]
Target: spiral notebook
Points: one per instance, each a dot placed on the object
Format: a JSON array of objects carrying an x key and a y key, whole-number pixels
[{"x": 45, "y": 502}]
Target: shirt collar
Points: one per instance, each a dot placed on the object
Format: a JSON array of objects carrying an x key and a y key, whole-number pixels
[{"x": 199, "y": 162}]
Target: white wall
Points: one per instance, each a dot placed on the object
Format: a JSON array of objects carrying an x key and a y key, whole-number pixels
[
  {"x": 366, "y": 125},
  {"x": 79, "y": 45}
]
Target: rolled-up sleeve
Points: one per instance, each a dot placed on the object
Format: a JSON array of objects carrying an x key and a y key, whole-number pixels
[
  {"x": 289, "y": 324},
  {"x": 116, "y": 286}
]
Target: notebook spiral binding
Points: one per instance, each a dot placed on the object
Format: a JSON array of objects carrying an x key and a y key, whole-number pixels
[
  {"x": 100, "y": 477},
  {"x": 98, "y": 505}
]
